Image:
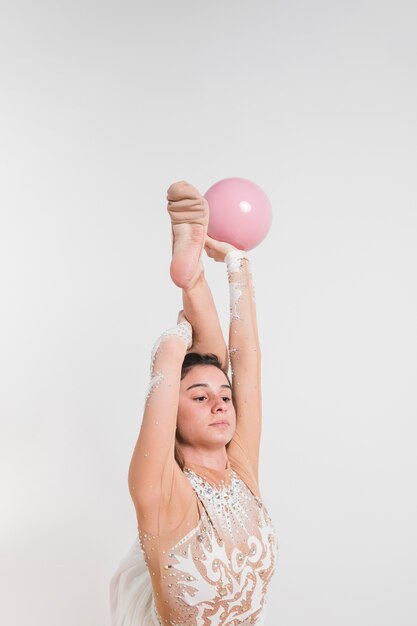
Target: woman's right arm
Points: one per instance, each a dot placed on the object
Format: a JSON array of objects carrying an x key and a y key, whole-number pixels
[{"x": 154, "y": 451}]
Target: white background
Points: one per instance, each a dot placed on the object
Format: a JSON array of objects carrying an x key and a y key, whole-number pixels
[{"x": 103, "y": 105}]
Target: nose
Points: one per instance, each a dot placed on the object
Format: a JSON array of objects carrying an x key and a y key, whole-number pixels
[{"x": 219, "y": 406}]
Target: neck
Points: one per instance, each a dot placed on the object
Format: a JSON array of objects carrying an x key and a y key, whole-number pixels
[{"x": 213, "y": 459}]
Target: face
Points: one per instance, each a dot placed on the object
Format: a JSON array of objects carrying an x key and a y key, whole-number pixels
[{"x": 205, "y": 398}]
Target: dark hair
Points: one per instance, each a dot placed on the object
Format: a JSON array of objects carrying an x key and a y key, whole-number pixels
[{"x": 192, "y": 359}]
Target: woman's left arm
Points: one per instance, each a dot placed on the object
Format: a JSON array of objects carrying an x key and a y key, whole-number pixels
[{"x": 244, "y": 350}]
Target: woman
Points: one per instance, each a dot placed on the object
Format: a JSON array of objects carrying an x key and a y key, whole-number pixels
[{"x": 206, "y": 536}]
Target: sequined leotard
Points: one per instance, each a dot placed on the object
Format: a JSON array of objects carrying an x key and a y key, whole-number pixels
[
  {"x": 206, "y": 535},
  {"x": 216, "y": 566}
]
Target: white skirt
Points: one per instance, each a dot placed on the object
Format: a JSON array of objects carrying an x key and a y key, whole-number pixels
[{"x": 131, "y": 597}]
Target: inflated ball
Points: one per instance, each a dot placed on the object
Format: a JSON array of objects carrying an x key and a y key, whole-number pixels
[{"x": 240, "y": 212}]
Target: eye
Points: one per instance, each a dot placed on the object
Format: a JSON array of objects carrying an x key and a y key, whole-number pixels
[
  {"x": 200, "y": 398},
  {"x": 226, "y": 398}
]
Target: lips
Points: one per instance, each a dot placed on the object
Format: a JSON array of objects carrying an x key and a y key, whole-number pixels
[{"x": 225, "y": 422}]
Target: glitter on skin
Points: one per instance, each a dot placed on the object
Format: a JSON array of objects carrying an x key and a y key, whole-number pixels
[
  {"x": 156, "y": 379},
  {"x": 236, "y": 292},
  {"x": 182, "y": 330},
  {"x": 236, "y": 287}
]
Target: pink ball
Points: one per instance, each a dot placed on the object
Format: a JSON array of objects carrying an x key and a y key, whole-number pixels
[{"x": 240, "y": 212}]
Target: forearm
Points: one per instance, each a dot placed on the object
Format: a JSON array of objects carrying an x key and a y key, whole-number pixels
[
  {"x": 200, "y": 311},
  {"x": 243, "y": 350},
  {"x": 243, "y": 332},
  {"x": 157, "y": 433}
]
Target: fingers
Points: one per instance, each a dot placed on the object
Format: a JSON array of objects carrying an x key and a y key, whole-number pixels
[
  {"x": 210, "y": 245},
  {"x": 217, "y": 250},
  {"x": 181, "y": 317},
  {"x": 216, "y": 243}
]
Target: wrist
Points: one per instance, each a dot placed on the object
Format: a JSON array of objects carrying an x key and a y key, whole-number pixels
[
  {"x": 180, "y": 337},
  {"x": 233, "y": 260},
  {"x": 183, "y": 331},
  {"x": 174, "y": 345}
]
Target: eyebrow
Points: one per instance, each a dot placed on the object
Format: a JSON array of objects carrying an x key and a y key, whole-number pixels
[{"x": 204, "y": 385}]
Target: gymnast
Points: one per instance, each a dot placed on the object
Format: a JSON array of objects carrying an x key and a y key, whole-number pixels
[{"x": 205, "y": 535}]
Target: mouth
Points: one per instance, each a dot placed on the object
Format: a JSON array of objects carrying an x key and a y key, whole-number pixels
[{"x": 220, "y": 423}]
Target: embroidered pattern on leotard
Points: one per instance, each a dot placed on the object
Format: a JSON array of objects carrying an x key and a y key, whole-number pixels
[{"x": 219, "y": 572}]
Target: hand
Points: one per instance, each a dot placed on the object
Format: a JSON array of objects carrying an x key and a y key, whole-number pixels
[
  {"x": 181, "y": 317},
  {"x": 217, "y": 250}
]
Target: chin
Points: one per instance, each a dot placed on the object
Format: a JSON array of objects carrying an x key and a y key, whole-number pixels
[{"x": 224, "y": 437}]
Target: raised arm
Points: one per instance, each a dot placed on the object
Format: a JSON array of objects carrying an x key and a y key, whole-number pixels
[
  {"x": 244, "y": 350},
  {"x": 153, "y": 461}
]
